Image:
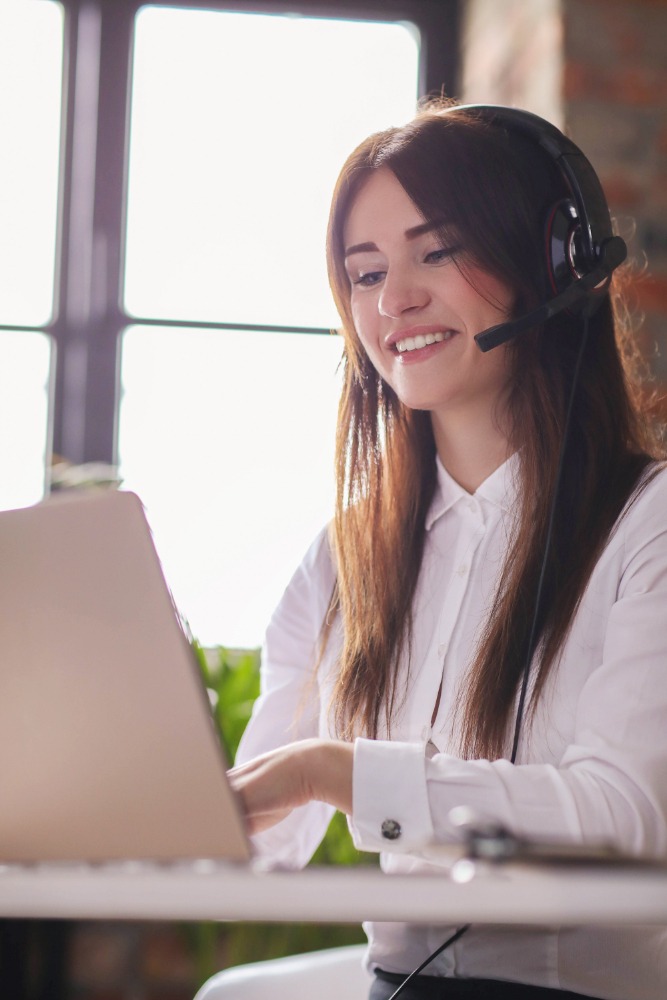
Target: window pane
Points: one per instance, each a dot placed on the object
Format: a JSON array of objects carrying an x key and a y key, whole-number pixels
[
  {"x": 240, "y": 123},
  {"x": 31, "y": 51},
  {"x": 25, "y": 360},
  {"x": 228, "y": 439}
]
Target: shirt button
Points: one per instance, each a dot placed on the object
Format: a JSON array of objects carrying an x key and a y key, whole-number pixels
[
  {"x": 442, "y": 648},
  {"x": 391, "y": 829},
  {"x": 463, "y": 569}
]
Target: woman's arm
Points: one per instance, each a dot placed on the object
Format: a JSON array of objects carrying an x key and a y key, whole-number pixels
[
  {"x": 288, "y": 707},
  {"x": 609, "y": 782},
  {"x": 592, "y": 768}
]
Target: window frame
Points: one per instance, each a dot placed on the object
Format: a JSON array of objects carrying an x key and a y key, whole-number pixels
[{"x": 88, "y": 319}]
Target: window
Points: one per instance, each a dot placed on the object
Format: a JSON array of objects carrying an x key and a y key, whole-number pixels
[
  {"x": 191, "y": 314},
  {"x": 228, "y": 434},
  {"x": 31, "y": 54}
]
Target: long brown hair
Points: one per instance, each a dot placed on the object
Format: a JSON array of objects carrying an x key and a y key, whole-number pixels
[{"x": 494, "y": 189}]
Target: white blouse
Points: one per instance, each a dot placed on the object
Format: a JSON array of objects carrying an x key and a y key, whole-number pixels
[{"x": 591, "y": 765}]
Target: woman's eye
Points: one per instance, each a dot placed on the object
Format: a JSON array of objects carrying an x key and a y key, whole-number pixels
[
  {"x": 440, "y": 255},
  {"x": 369, "y": 278}
]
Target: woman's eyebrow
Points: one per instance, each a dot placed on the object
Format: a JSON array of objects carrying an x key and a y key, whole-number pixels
[
  {"x": 410, "y": 234},
  {"x": 361, "y": 248},
  {"x": 426, "y": 227}
]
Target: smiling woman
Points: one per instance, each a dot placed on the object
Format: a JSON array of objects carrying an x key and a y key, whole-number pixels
[{"x": 482, "y": 626}]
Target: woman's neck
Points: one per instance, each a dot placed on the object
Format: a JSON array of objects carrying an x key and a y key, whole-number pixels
[{"x": 470, "y": 450}]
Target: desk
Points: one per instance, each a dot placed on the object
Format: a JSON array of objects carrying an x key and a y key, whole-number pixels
[{"x": 511, "y": 893}]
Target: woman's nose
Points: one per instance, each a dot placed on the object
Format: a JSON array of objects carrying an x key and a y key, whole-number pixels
[{"x": 401, "y": 291}]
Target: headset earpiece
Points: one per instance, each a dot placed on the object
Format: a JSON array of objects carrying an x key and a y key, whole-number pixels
[
  {"x": 564, "y": 252},
  {"x": 580, "y": 249},
  {"x": 566, "y": 258}
]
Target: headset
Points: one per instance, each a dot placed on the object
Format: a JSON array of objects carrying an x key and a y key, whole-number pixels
[{"x": 581, "y": 249}]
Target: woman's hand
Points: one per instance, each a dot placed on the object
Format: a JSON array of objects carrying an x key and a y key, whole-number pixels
[{"x": 271, "y": 785}]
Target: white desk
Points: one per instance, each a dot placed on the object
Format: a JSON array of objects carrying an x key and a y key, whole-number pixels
[{"x": 507, "y": 894}]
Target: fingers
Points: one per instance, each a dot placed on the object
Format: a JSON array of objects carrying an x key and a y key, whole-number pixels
[{"x": 271, "y": 785}]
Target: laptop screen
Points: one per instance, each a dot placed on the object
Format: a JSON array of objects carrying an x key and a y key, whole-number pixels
[{"x": 109, "y": 748}]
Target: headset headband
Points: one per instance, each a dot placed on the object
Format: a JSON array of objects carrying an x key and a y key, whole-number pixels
[{"x": 579, "y": 175}]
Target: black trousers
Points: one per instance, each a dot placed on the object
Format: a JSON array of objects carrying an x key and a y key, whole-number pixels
[{"x": 440, "y": 988}]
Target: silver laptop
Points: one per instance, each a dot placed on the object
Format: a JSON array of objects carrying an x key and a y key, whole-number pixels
[{"x": 108, "y": 747}]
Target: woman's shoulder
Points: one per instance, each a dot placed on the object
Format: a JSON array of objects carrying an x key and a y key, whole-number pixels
[
  {"x": 318, "y": 561},
  {"x": 646, "y": 509},
  {"x": 651, "y": 487},
  {"x": 309, "y": 590}
]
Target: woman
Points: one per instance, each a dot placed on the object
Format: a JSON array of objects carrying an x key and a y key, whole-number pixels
[{"x": 468, "y": 546}]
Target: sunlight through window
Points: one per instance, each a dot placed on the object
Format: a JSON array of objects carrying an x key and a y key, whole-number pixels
[
  {"x": 31, "y": 55},
  {"x": 240, "y": 124},
  {"x": 25, "y": 360},
  {"x": 31, "y": 44}
]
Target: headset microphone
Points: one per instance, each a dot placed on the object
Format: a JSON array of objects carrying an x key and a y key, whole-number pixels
[{"x": 612, "y": 253}]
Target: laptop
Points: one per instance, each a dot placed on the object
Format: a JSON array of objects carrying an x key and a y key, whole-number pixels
[{"x": 108, "y": 747}]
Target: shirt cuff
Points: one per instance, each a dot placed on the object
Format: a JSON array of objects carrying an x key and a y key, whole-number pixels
[{"x": 390, "y": 808}]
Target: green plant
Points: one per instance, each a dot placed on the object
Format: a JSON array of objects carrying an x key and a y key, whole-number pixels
[{"x": 232, "y": 680}]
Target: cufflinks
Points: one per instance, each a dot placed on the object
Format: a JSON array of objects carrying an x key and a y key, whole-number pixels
[{"x": 391, "y": 829}]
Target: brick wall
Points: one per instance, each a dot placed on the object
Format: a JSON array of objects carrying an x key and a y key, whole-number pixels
[
  {"x": 615, "y": 99},
  {"x": 598, "y": 68},
  {"x": 513, "y": 55}
]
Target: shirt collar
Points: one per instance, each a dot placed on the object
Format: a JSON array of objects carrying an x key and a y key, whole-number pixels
[{"x": 499, "y": 489}]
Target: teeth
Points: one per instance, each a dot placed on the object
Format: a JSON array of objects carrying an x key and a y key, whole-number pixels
[{"x": 414, "y": 343}]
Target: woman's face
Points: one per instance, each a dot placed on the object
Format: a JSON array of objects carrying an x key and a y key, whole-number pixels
[{"x": 415, "y": 312}]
